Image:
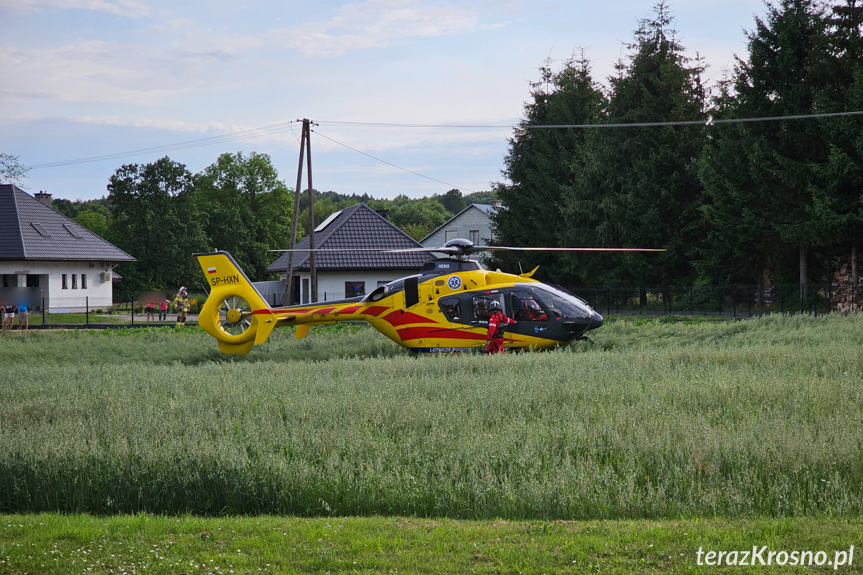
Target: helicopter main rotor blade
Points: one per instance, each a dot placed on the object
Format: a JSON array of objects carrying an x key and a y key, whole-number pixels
[
  {"x": 340, "y": 250},
  {"x": 536, "y": 249},
  {"x": 460, "y": 250}
]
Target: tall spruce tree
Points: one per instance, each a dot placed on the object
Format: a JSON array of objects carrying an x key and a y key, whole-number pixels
[
  {"x": 644, "y": 179},
  {"x": 542, "y": 166},
  {"x": 840, "y": 202},
  {"x": 741, "y": 247},
  {"x": 786, "y": 73}
]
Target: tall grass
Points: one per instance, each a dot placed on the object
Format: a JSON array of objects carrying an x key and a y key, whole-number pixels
[{"x": 756, "y": 418}]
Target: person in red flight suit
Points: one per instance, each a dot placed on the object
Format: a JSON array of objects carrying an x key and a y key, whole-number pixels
[
  {"x": 534, "y": 312},
  {"x": 494, "y": 341}
]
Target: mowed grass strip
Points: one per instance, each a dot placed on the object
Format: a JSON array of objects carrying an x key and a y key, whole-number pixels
[
  {"x": 759, "y": 418},
  {"x": 176, "y": 545}
]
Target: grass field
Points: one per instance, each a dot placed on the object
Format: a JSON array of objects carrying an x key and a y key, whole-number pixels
[
  {"x": 38, "y": 544},
  {"x": 625, "y": 455},
  {"x": 759, "y": 418}
]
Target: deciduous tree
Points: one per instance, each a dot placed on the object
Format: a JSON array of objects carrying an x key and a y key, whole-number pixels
[{"x": 157, "y": 221}]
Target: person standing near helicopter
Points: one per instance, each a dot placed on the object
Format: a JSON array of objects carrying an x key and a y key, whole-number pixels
[
  {"x": 183, "y": 305},
  {"x": 496, "y": 321}
]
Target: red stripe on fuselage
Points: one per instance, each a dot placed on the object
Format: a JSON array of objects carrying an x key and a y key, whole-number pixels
[
  {"x": 262, "y": 311},
  {"x": 348, "y": 310},
  {"x": 375, "y": 310},
  {"x": 398, "y": 318}
]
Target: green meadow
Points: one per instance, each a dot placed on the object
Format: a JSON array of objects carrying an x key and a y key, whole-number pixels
[{"x": 654, "y": 420}]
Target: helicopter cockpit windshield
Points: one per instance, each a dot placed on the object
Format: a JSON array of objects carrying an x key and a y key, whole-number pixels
[{"x": 558, "y": 303}]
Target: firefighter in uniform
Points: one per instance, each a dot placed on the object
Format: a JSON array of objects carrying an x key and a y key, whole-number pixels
[
  {"x": 494, "y": 341},
  {"x": 183, "y": 305}
]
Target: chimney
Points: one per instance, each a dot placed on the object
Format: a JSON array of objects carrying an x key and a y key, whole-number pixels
[
  {"x": 44, "y": 198},
  {"x": 495, "y": 203}
]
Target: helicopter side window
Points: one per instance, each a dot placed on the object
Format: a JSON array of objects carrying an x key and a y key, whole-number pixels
[
  {"x": 480, "y": 306},
  {"x": 525, "y": 307},
  {"x": 451, "y": 308}
]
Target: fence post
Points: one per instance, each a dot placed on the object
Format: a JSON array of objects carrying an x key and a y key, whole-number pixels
[
  {"x": 609, "y": 301},
  {"x": 87, "y": 311},
  {"x": 719, "y": 301},
  {"x": 132, "y": 305},
  {"x": 44, "y": 315}
]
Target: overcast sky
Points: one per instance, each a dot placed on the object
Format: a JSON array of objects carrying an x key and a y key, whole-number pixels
[{"x": 88, "y": 78}]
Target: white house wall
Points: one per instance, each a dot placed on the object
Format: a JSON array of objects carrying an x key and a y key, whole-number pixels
[
  {"x": 97, "y": 295},
  {"x": 460, "y": 227}
]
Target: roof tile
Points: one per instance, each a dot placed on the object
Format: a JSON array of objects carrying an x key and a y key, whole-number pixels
[
  {"x": 356, "y": 227},
  {"x": 30, "y": 230}
]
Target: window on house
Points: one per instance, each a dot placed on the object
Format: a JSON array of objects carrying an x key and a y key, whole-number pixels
[
  {"x": 74, "y": 281},
  {"x": 65, "y": 281},
  {"x": 354, "y": 289},
  {"x": 83, "y": 281},
  {"x": 474, "y": 236},
  {"x": 450, "y": 235}
]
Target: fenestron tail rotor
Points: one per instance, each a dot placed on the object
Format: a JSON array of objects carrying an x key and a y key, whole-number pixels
[{"x": 235, "y": 315}]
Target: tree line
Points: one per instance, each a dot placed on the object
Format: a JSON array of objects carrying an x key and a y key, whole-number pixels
[
  {"x": 652, "y": 158},
  {"x": 161, "y": 213},
  {"x": 731, "y": 200}
]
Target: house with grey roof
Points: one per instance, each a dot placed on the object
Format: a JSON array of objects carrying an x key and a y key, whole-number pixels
[
  {"x": 344, "y": 274},
  {"x": 41, "y": 249},
  {"x": 472, "y": 223}
]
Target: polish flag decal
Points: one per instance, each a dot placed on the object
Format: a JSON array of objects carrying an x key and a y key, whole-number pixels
[{"x": 211, "y": 270}]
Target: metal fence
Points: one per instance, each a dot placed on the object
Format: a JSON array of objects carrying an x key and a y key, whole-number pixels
[
  {"x": 730, "y": 300},
  {"x": 726, "y": 301}
]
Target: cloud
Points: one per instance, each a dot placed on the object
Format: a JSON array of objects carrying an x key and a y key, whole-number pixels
[
  {"x": 128, "y": 8},
  {"x": 375, "y": 24},
  {"x": 136, "y": 73}
]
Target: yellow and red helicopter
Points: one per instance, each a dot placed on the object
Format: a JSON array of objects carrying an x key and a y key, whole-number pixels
[{"x": 442, "y": 309}]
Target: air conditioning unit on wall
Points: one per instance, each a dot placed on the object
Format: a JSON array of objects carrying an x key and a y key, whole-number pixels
[{"x": 105, "y": 276}]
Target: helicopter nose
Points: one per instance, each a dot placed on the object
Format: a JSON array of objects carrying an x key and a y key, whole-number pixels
[{"x": 595, "y": 322}]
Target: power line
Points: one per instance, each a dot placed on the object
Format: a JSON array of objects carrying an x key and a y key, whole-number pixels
[
  {"x": 208, "y": 141},
  {"x": 288, "y": 126},
  {"x": 709, "y": 121},
  {"x": 391, "y": 164}
]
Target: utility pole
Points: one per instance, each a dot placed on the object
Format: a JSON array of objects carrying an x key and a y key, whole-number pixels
[{"x": 305, "y": 147}]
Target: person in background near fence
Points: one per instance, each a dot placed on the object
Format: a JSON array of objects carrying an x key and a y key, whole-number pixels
[
  {"x": 163, "y": 310},
  {"x": 23, "y": 317},
  {"x": 150, "y": 308},
  {"x": 183, "y": 305},
  {"x": 496, "y": 321},
  {"x": 9, "y": 316}
]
